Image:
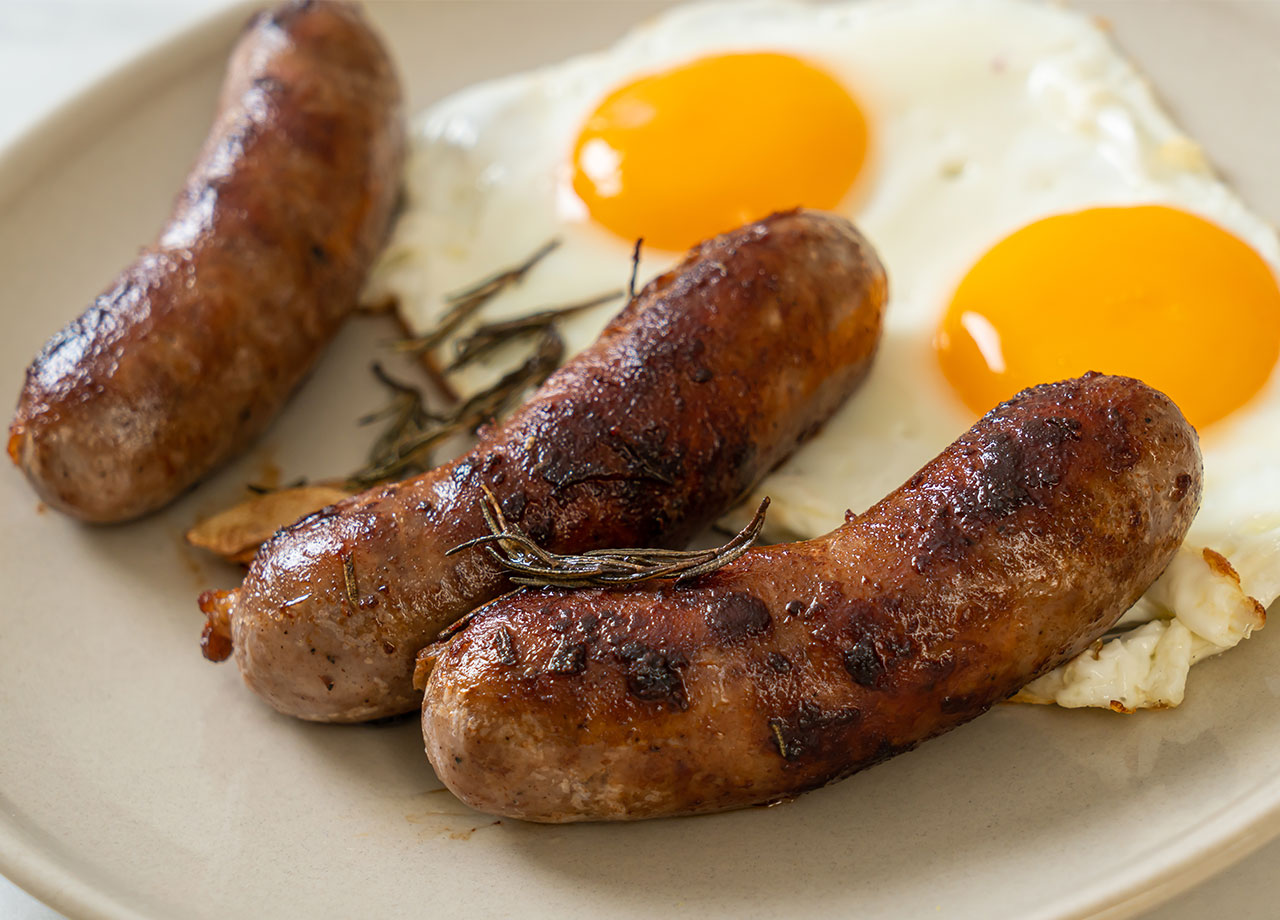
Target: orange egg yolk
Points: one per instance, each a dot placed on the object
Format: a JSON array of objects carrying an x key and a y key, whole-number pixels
[
  {"x": 679, "y": 156},
  {"x": 1148, "y": 292}
]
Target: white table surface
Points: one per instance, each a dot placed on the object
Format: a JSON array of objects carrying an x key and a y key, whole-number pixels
[{"x": 52, "y": 49}]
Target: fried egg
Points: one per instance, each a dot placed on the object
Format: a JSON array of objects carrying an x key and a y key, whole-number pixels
[{"x": 1039, "y": 213}]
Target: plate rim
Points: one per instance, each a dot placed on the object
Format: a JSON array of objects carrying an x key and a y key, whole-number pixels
[
  {"x": 1157, "y": 876},
  {"x": 37, "y": 150}
]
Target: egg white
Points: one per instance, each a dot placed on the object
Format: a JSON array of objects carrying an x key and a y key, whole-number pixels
[{"x": 985, "y": 115}]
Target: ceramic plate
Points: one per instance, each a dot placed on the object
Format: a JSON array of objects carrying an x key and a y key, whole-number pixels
[{"x": 138, "y": 781}]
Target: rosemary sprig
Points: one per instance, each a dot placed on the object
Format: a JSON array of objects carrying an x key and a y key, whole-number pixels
[
  {"x": 491, "y": 335},
  {"x": 527, "y": 563},
  {"x": 407, "y": 411},
  {"x": 405, "y": 447},
  {"x": 464, "y": 303},
  {"x": 349, "y": 582}
]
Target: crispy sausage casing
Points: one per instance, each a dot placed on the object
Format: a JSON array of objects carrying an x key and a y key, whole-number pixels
[
  {"x": 699, "y": 387},
  {"x": 196, "y": 346},
  {"x": 799, "y": 664}
]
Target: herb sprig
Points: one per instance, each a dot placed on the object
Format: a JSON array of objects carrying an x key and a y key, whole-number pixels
[
  {"x": 405, "y": 445},
  {"x": 527, "y": 563}
]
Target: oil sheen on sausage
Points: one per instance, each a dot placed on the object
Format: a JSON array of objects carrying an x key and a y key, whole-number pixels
[
  {"x": 697, "y": 389},
  {"x": 799, "y": 664},
  {"x": 193, "y": 349}
]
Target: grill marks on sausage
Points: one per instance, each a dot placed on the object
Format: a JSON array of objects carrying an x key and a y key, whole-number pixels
[
  {"x": 575, "y": 636},
  {"x": 593, "y": 451},
  {"x": 645, "y": 456},
  {"x": 736, "y": 615},
  {"x": 1012, "y": 470},
  {"x": 653, "y": 675},
  {"x": 60, "y": 365},
  {"x": 568, "y": 658},
  {"x": 884, "y": 640},
  {"x": 631, "y": 459},
  {"x": 863, "y": 663}
]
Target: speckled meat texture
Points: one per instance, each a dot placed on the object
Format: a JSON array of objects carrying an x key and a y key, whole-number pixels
[
  {"x": 696, "y": 390},
  {"x": 188, "y": 355},
  {"x": 800, "y": 664}
]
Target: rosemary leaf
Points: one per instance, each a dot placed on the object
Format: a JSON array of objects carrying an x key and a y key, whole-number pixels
[
  {"x": 408, "y": 413},
  {"x": 405, "y": 447},
  {"x": 349, "y": 582},
  {"x": 491, "y": 335},
  {"x": 463, "y": 304},
  {"x": 527, "y": 563}
]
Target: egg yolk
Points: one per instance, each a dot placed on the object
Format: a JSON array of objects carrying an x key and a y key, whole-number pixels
[
  {"x": 679, "y": 156},
  {"x": 1148, "y": 292}
]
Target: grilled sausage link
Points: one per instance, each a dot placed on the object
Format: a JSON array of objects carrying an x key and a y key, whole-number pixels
[
  {"x": 188, "y": 355},
  {"x": 799, "y": 664},
  {"x": 698, "y": 388}
]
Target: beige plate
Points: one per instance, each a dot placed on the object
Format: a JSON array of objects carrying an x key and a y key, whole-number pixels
[{"x": 137, "y": 781}]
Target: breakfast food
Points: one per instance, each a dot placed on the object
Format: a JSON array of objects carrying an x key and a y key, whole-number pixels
[
  {"x": 705, "y": 382},
  {"x": 1197, "y": 609},
  {"x": 799, "y": 664},
  {"x": 188, "y": 355},
  {"x": 1040, "y": 213}
]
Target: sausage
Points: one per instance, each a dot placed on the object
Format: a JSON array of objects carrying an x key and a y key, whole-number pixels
[
  {"x": 702, "y": 384},
  {"x": 193, "y": 349},
  {"x": 800, "y": 664}
]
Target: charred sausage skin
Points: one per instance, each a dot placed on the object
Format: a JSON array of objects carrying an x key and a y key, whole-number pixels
[
  {"x": 194, "y": 348},
  {"x": 800, "y": 664},
  {"x": 701, "y": 385}
]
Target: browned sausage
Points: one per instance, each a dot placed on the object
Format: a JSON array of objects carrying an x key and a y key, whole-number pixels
[
  {"x": 799, "y": 664},
  {"x": 196, "y": 345},
  {"x": 703, "y": 384}
]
